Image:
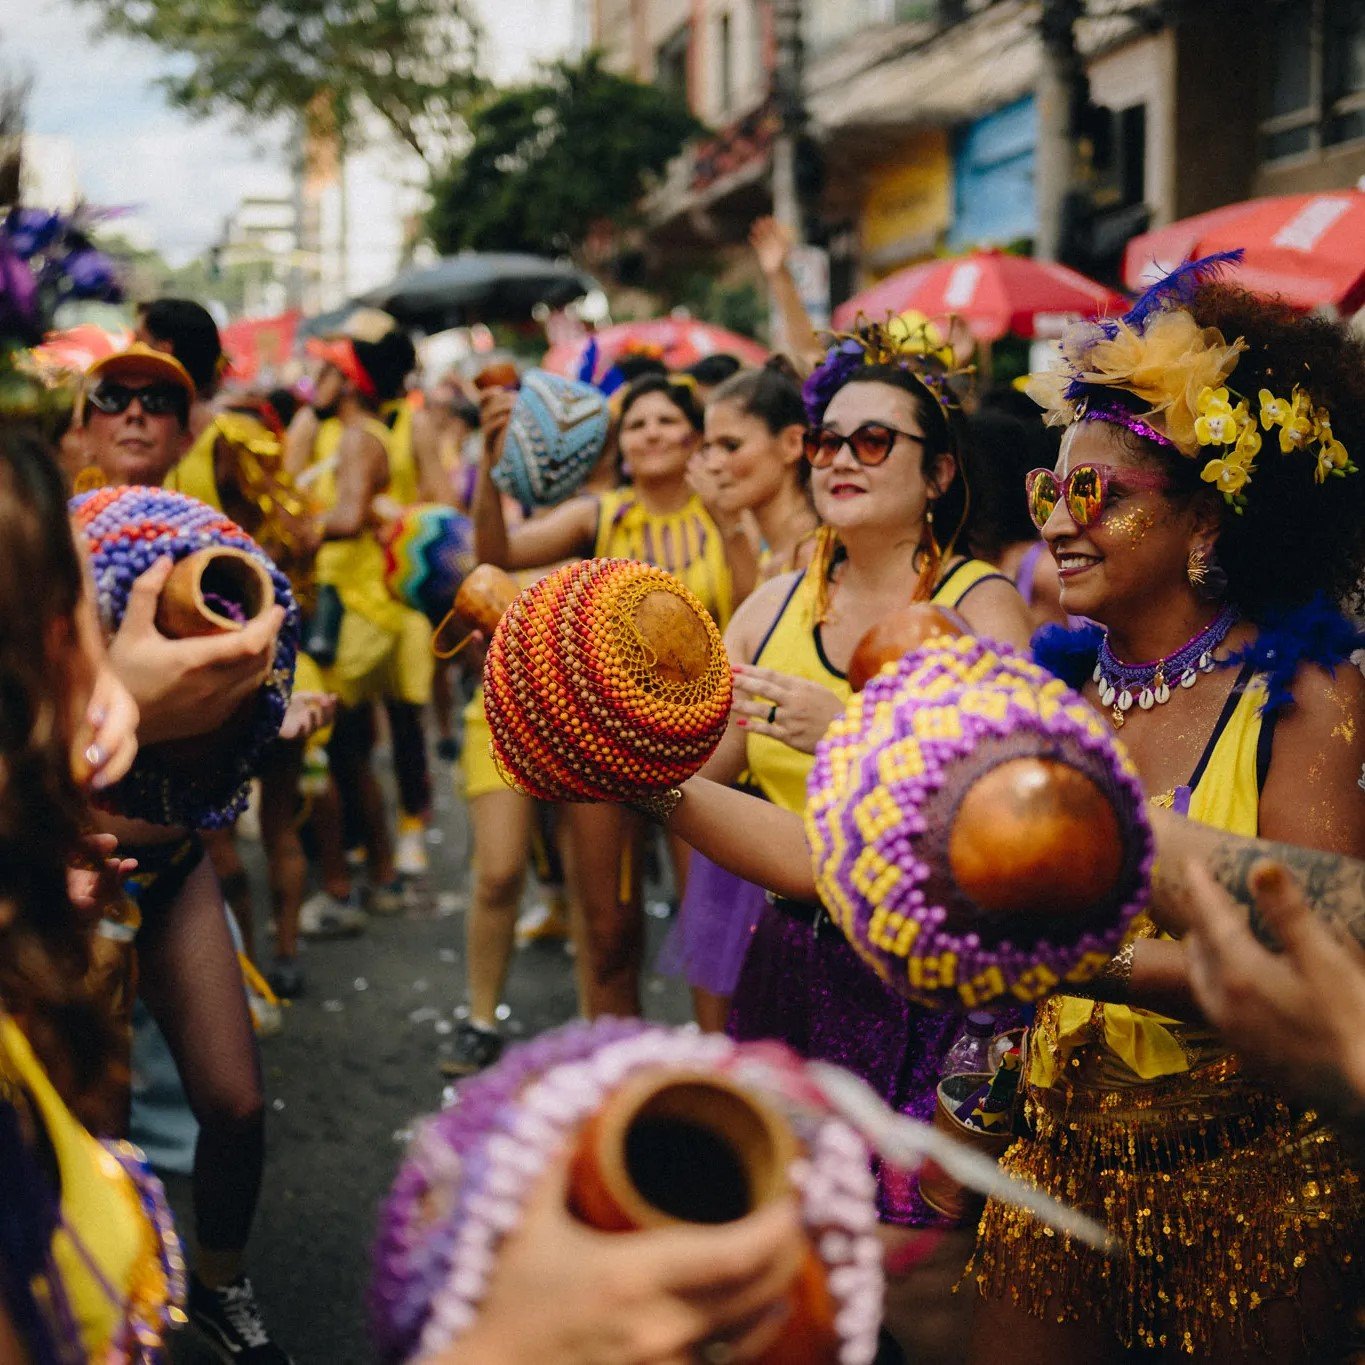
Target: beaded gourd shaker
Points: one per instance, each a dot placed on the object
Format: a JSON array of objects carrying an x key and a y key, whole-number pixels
[
  {"x": 428, "y": 552},
  {"x": 127, "y": 529},
  {"x": 976, "y": 831},
  {"x": 555, "y": 436},
  {"x": 605, "y": 681},
  {"x": 470, "y": 1171}
]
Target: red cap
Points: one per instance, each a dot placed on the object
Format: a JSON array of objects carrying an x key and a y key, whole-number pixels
[{"x": 339, "y": 353}]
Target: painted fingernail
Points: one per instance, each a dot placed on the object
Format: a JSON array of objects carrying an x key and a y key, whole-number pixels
[
  {"x": 743, "y": 724},
  {"x": 98, "y": 716},
  {"x": 94, "y": 756}
]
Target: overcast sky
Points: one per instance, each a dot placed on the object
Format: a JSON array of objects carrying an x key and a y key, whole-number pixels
[{"x": 183, "y": 175}]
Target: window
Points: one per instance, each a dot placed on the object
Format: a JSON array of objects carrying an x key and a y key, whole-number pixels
[
  {"x": 670, "y": 61},
  {"x": 1315, "y": 76}
]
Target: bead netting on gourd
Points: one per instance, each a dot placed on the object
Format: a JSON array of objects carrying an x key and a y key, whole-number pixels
[
  {"x": 470, "y": 1170},
  {"x": 605, "y": 680},
  {"x": 127, "y": 529},
  {"x": 882, "y": 798}
]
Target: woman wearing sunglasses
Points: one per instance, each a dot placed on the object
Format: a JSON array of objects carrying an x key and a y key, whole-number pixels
[
  {"x": 1205, "y": 512},
  {"x": 888, "y": 484}
]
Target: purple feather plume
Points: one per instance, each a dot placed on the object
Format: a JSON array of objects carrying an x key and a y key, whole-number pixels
[{"x": 1178, "y": 288}]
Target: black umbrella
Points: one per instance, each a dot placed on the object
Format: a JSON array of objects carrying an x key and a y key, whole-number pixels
[{"x": 485, "y": 286}]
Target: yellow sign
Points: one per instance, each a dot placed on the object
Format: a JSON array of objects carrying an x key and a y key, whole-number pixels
[{"x": 908, "y": 204}]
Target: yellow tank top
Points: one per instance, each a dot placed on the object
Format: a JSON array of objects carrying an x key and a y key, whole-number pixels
[
  {"x": 1225, "y": 794},
  {"x": 195, "y": 475},
  {"x": 105, "y": 1238},
  {"x": 793, "y": 646},
  {"x": 403, "y": 481},
  {"x": 355, "y": 567},
  {"x": 687, "y": 543}
]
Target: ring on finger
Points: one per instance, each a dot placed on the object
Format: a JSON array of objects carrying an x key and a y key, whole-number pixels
[{"x": 772, "y": 714}]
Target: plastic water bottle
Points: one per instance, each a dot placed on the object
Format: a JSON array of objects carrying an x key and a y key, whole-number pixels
[{"x": 970, "y": 1051}]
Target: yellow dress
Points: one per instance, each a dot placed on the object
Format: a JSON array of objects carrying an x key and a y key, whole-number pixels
[
  {"x": 687, "y": 543},
  {"x": 195, "y": 475},
  {"x": 107, "y": 1252},
  {"x": 384, "y": 649},
  {"x": 1217, "y": 1192},
  {"x": 793, "y": 646}
]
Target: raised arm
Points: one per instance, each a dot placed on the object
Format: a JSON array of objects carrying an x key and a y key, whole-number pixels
[{"x": 772, "y": 246}]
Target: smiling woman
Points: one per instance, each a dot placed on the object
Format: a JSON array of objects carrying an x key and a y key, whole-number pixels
[
  {"x": 1209, "y": 535},
  {"x": 888, "y": 480},
  {"x": 659, "y": 520}
]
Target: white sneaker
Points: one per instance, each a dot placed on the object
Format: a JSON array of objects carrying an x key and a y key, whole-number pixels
[
  {"x": 322, "y": 915},
  {"x": 410, "y": 853}
]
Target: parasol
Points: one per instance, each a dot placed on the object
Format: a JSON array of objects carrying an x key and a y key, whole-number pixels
[
  {"x": 991, "y": 292},
  {"x": 1307, "y": 248},
  {"x": 681, "y": 342},
  {"x": 478, "y": 287}
]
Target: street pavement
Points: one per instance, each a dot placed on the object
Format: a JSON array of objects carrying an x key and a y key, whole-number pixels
[{"x": 355, "y": 1063}]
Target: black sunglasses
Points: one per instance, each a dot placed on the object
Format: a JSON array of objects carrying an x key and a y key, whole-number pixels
[
  {"x": 871, "y": 443},
  {"x": 158, "y": 400}
]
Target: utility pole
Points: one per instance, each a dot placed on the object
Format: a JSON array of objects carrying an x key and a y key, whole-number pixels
[
  {"x": 1062, "y": 93},
  {"x": 789, "y": 97}
]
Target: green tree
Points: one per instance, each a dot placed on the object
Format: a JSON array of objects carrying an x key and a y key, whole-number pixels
[
  {"x": 411, "y": 62},
  {"x": 548, "y": 161}
]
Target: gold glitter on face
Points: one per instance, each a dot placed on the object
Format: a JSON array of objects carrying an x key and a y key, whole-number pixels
[{"x": 1130, "y": 524}]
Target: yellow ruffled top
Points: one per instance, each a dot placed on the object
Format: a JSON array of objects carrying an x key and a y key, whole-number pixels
[{"x": 687, "y": 543}]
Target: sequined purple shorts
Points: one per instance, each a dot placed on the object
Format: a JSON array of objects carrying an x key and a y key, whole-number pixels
[
  {"x": 711, "y": 936},
  {"x": 808, "y": 989}
]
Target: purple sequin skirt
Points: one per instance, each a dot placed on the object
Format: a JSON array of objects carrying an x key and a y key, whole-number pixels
[
  {"x": 810, "y": 990},
  {"x": 711, "y": 936}
]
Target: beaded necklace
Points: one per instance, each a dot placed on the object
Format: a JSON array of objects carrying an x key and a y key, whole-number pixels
[{"x": 1150, "y": 684}]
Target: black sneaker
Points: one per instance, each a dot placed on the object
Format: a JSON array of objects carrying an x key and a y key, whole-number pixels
[
  {"x": 475, "y": 1049},
  {"x": 229, "y": 1320},
  {"x": 285, "y": 978}
]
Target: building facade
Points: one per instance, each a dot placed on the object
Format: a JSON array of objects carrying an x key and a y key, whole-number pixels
[{"x": 925, "y": 120}]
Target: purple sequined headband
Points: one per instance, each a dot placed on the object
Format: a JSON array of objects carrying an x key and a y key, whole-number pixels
[{"x": 1120, "y": 417}]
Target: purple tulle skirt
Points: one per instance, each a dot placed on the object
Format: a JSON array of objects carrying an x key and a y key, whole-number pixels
[
  {"x": 811, "y": 991},
  {"x": 710, "y": 938}
]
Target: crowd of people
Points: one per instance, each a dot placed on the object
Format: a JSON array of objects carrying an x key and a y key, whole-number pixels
[{"x": 1172, "y": 522}]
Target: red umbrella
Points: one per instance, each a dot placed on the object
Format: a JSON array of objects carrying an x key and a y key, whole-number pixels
[
  {"x": 679, "y": 341},
  {"x": 992, "y": 293},
  {"x": 1308, "y": 248}
]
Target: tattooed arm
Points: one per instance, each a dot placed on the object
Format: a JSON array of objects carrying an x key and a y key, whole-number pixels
[
  {"x": 1333, "y": 885},
  {"x": 1297, "y": 1014}
]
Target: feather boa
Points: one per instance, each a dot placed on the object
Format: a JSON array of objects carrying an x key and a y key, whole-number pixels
[{"x": 1315, "y": 632}]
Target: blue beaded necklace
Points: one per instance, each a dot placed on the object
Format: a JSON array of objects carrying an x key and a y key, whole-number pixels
[{"x": 1150, "y": 684}]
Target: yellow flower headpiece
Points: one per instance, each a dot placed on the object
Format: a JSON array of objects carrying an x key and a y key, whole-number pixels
[
  {"x": 908, "y": 341},
  {"x": 1180, "y": 371}
]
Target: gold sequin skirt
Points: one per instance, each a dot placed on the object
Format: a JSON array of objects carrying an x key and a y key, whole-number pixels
[{"x": 1219, "y": 1198}]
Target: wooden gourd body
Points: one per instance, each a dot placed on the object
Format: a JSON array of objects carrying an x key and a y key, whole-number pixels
[
  {"x": 204, "y": 594},
  {"x": 674, "y": 1147}
]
